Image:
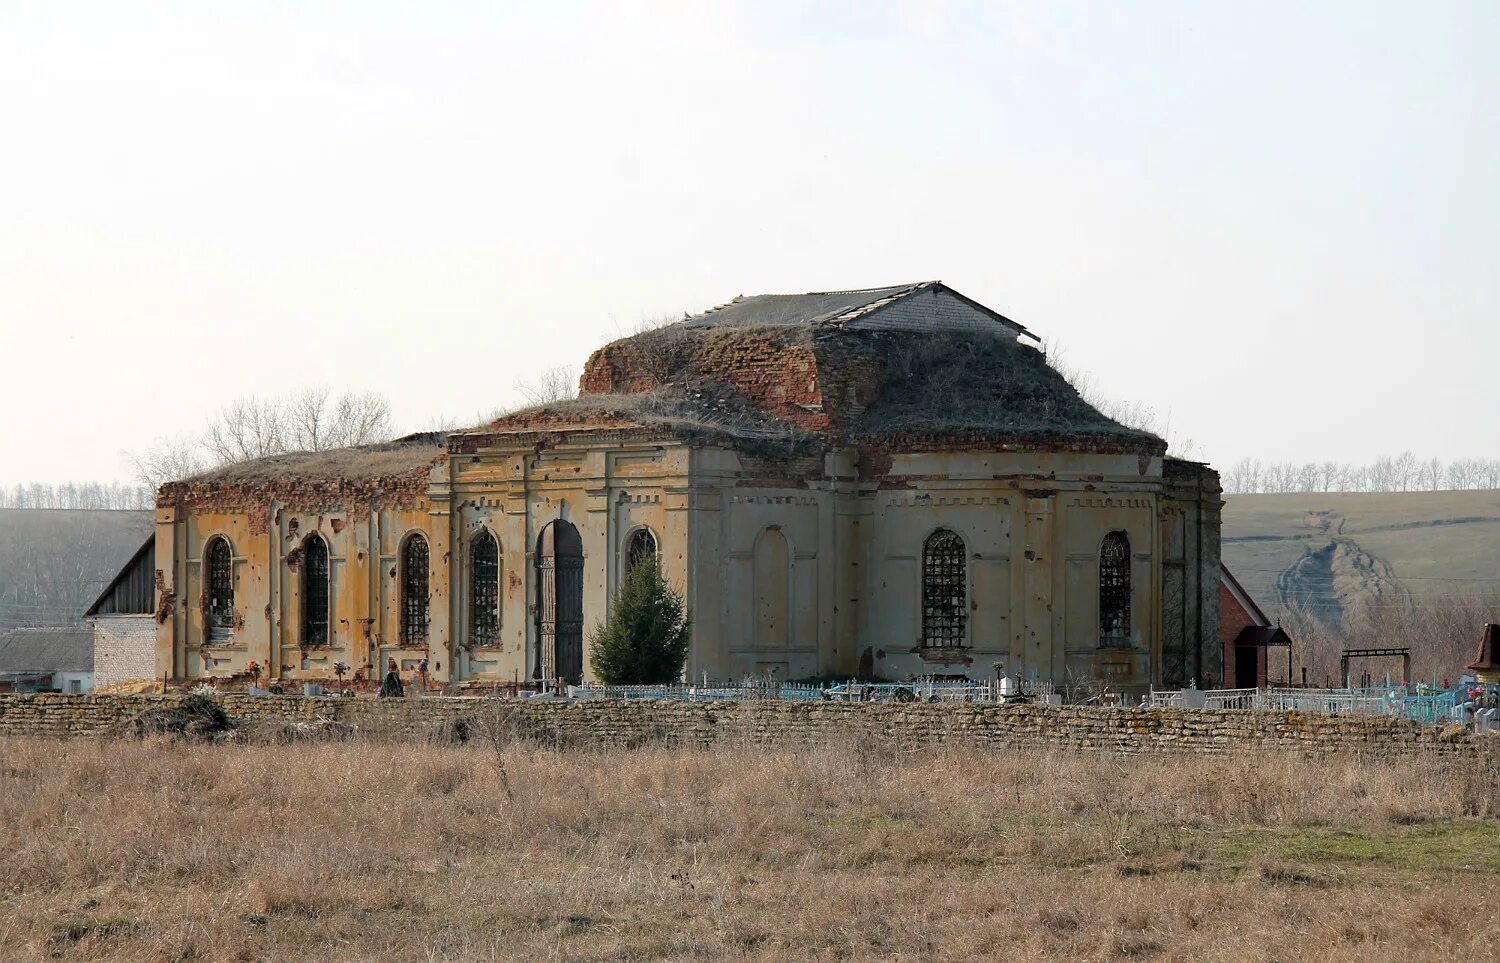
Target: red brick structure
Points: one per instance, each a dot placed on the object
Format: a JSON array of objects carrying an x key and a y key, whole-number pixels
[{"x": 1246, "y": 633}]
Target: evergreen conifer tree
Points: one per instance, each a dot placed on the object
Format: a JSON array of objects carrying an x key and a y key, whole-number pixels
[{"x": 645, "y": 639}]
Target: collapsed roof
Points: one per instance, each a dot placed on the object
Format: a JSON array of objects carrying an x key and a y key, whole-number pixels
[
  {"x": 364, "y": 462},
  {"x": 904, "y": 366},
  {"x": 396, "y": 471}
]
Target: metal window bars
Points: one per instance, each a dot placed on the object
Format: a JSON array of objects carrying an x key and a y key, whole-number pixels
[
  {"x": 219, "y": 600},
  {"x": 945, "y": 609},
  {"x": 414, "y": 597},
  {"x": 1114, "y": 591},
  {"x": 315, "y": 594}
]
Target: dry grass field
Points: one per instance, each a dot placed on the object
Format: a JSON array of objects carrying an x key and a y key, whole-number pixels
[
  {"x": 335, "y": 851},
  {"x": 1432, "y": 543}
]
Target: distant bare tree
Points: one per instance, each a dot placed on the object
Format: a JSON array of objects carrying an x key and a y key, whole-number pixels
[
  {"x": 1432, "y": 474},
  {"x": 247, "y": 428},
  {"x": 353, "y": 418},
  {"x": 304, "y": 421},
  {"x": 649, "y": 322},
  {"x": 168, "y": 458},
  {"x": 54, "y": 563},
  {"x": 554, "y": 384},
  {"x": 250, "y": 427},
  {"x": 94, "y": 496},
  {"x": 1405, "y": 471}
]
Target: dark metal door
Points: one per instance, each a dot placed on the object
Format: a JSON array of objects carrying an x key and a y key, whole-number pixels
[
  {"x": 569, "y": 613},
  {"x": 559, "y": 610}
]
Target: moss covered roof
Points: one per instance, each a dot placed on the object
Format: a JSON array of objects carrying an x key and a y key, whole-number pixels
[
  {"x": 791, "y": 384},
  {"x": 364, "y": 463}
]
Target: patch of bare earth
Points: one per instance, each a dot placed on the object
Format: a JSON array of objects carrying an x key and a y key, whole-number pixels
[{"x": 165, "y": 850}]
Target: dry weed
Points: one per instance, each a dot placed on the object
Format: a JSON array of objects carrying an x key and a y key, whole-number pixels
[{"x": 495, "y": 849}]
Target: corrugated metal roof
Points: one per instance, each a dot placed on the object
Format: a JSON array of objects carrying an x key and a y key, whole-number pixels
[
  {"x": 816, "y": 307},
  {"x": 834, "y": 308},
  {"x": 66, "y": 649},
  {"x": 132, "y": 590}
]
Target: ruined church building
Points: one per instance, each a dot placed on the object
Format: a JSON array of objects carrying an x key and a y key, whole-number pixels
[{"x": 890, "y": 481}]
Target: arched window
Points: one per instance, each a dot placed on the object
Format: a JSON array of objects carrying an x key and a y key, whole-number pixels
[
  {"x": 945, "y": 605},
  {"x": 218, "y": 597},
  {"x": 1114, "y": 590},
  {"x": 642, "y": 545},
  {"x": 414, "y": 592},
  {"x": 315, "y": 594},
  {"x": 484, "y": 590}
]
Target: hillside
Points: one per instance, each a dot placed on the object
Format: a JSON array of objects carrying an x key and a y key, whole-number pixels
[
  {"x": 1370, "y": 566},
  {"x": 55, "y": 562},
  {"x": 1287, "y": 548}
]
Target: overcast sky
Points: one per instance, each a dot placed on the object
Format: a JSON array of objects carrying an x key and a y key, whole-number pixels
[{"x": 1277, "y": 223}]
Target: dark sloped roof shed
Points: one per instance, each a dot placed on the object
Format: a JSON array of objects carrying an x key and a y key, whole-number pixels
[
  {"x": 132, "y": 591},
  {"x": 51, "y": 649}
]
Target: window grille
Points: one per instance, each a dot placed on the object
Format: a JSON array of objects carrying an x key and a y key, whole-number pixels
[
  {"x": 642, "y": 545},
  {"x": 1114, "y": 591},
  {"x": 219, "y": 609},
  {"x": 315, "y": 592},
  {"x": 945, "y": 609},
  {"x": 414, "y": 592},
  {"x": 484, "y": 591}
]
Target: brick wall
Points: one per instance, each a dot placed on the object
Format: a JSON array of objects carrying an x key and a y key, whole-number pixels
[
  {"x": 1233, "y": 619},
  {"x": 775, "y": 370},
  {"x": 124, "y": 648},
  {"x": 611, "y": 723}
]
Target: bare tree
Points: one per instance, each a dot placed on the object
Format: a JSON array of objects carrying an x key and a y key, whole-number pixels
[
  {"x": 168, "y": 458},
  {"x": 1405, "y": 471},
  {"x": 1432, "y": 474},
  {"x": 554, "y": 384},
  {"x": 250, "y": 427},
  {"x": 94, "y": 496},
  {"x": 353, "y": 418},
  {"x": 304, "y": 421}
]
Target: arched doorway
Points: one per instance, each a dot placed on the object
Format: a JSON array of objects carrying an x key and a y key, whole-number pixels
[{"x": 559, "y": 603}]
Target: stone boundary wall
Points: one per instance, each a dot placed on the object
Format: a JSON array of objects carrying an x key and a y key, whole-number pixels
[{"x": 625, "y": 723}]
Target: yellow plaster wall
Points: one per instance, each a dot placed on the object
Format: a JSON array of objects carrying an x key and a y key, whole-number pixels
[{"x": 1031, "y": 522}]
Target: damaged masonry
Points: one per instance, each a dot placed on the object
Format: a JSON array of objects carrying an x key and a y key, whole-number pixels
[{"x": 890, "y": 479}]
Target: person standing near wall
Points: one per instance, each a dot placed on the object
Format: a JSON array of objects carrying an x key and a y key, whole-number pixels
[{"x": 391, "y": 688}]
